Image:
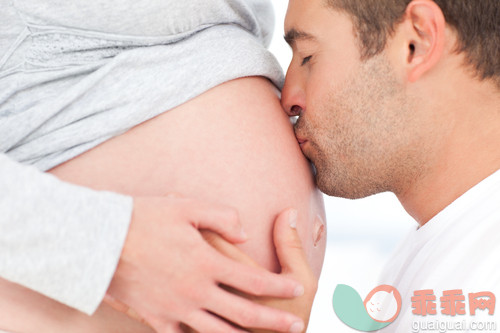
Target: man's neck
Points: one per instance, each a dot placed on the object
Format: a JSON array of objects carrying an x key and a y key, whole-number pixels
[{"x": 468, "y": 154}]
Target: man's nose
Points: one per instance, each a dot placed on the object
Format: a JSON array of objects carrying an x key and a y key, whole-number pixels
[{"x": 293, "y": 98}]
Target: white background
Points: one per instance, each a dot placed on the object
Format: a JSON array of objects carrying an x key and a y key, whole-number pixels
[{"x": 362, "y": 234}]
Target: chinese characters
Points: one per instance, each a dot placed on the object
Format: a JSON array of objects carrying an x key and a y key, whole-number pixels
[{"x": 452, "y": 302}]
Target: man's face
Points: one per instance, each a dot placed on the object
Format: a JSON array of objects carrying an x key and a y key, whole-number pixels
[{"x": 355, "y": 120}]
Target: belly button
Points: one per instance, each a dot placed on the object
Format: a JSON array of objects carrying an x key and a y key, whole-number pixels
[{"x": 318, "y": 230}]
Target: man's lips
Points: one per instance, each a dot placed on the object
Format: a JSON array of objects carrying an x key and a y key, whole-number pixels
[{"x": 301, "y": 141}]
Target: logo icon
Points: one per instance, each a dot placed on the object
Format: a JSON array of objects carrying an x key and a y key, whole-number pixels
[{"x": 380, "y": 308}]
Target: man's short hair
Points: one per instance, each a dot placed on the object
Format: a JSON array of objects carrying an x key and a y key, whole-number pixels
[{"x": 476, "y": 22}]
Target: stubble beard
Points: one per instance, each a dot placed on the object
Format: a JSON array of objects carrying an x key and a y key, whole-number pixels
[{"x": 364, "y": 144}]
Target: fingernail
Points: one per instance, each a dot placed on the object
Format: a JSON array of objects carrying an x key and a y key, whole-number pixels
[
  {"x": 297, "y": 327},
  {"x": 292, "y": 218},
  {"x": 299, "y": 291}
]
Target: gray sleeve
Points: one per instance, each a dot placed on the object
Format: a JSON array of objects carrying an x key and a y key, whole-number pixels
[{"x": 61, "y": 240}]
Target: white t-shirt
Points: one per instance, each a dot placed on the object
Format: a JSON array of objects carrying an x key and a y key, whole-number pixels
[{"x": 458, "y": 249}]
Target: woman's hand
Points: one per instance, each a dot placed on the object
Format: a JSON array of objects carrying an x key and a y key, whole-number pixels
[
  {"x": 293, "y": 262},
  {"x": 169, "y": 274}
]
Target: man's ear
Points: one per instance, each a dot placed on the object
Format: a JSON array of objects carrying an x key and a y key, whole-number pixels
[{"x": 424, "y": 37}]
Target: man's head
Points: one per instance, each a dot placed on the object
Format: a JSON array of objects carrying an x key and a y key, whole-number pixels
[
  {"x": 366, "y": 77},
  {"x": 476, "y": 24}
]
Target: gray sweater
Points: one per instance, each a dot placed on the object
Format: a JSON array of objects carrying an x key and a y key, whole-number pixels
[{"x": 74, "y": 74}]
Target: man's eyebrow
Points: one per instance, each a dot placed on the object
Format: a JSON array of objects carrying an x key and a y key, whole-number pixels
[{"x": 293, "y": 35}]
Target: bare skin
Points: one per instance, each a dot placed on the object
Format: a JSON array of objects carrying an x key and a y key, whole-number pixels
[
  {"x": 414, "y": 120},
  {"x": 231, "y": 146},
  {"x": 292, "y": 260}
]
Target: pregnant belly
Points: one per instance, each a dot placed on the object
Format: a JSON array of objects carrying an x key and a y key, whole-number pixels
[{"x": 232, "y": 145}]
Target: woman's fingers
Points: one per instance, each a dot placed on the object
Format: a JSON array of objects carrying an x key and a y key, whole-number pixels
[
  {"x": 202, "y": 321},
  {"x": 167, "y": 268},
  {"x": 172, "y": 328},
  {"x": 227, "y": 249},
  {"x": 254, "y": 280},
  {"x": 291, "y": 254},
  {"x": 220, "y": 219},
  {"x": 246, "y": 313},
  {"x": 294, "y": 264}
]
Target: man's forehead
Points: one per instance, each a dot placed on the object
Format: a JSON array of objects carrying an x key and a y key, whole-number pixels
[
  {"x": 299, "y": 16},
  {"x": 300, "y": 8}
]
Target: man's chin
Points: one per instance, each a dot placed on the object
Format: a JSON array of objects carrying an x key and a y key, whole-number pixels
[
  {"x": 328, "y": 183},
  {"x": 343, "y": 189}
]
